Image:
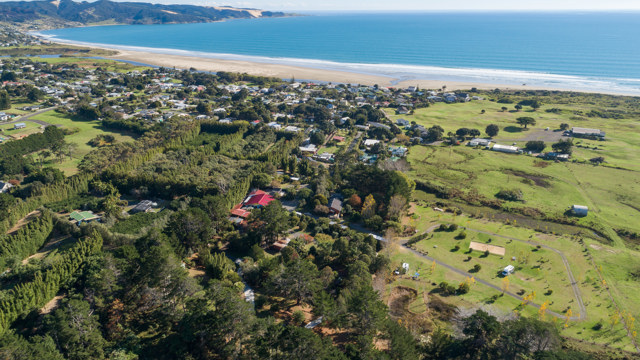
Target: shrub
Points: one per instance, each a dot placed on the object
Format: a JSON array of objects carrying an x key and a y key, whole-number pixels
[
  {"x": 462, "y": 235},
  {"x": 477, "y": 267},
  {"x": 463, "y": 288},
  {"x": 297, "y": 318},
  {"x": 453, "y": 227},
  {"x": 510, "y": 194},
  {"x": 456, "y": 248}
]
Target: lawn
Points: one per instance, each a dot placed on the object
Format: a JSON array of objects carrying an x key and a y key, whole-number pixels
[
  {"x": 616, "y": 266},
  {"x": 87, "y": 131},
  {"x": 108, "y": 65},
  {"x": 623, "y": 135},
  {"x": 9, "y": 131},
  {"x": 610, "y": 194}
]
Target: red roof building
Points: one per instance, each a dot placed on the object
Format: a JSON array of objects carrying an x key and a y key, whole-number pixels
[{"x": 259, "y": 200}]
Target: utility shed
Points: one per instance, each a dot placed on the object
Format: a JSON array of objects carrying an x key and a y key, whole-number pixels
[{"x": 580, "y": 210}]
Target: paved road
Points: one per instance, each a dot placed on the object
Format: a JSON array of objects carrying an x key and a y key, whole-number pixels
[
  {"x": 354, "y": 142},
  {"x": 29, "y": 116}
]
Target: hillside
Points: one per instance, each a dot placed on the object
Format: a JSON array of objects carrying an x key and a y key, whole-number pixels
[{"x": 105, "y": 11}]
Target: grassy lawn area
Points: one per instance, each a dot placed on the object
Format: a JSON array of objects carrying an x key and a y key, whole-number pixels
[
  {"x": 109, "y": 65},
  {"x": 551, "y": 188},
  {"x": 623, "y": 135},
  {"x": 616, "y": 265},
  {"x": 87, "y": 131},
  {"x": 9, "y": 131}
]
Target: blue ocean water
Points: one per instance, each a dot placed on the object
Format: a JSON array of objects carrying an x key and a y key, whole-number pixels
[{"x": 590, "y": 51}]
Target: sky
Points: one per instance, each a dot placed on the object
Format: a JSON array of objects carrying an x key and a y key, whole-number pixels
[{"x": 425, "y": 5}]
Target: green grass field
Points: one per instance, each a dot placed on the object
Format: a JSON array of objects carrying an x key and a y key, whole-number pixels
[
  {"x": 87, "y": 131},
  {"x": 623, "y": 135},
  {"x": 109, "y": 65},
  {"x": 551, "y": 275}
]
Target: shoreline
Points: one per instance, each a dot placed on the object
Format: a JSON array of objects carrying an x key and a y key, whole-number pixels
[{"x": 271, "y": 68}]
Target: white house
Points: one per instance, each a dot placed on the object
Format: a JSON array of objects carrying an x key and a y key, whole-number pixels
[
  {"x": 479, "y": 142},
  {"x": 274, "y": 125},
  {"x": 506, "y": 149},
  {"x": 370, "y": 142}
]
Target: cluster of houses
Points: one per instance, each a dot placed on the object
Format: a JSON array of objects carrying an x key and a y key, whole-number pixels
[{"x": 512, "y": 149}]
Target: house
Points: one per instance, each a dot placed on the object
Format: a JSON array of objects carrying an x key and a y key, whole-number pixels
[
  {"x": 19, "y": 126},
  {"x": 274, "y": 125},
  {"x": 379, "y": 125},
  {"x": 310, "y": 149},
  {"x": 325, "y": 157},
  {"x": 556, "y": 156},
  {"x": 580, "y": 210},
  {"x": 479, "y": 142},
  {"x": 4, "y": 187},
  {"x": 403, "y": 122},
  {"x": 402, "y": 110},
  {"x": 463, "y": 97},
  {"x": 335, "y": 206},
  {"x": 586, "y": 132},
  {"x": 144, "y": 206},
  {"x": 399, "y": 151},
  {"x": 370, "y": 142},
  {"x": 83, "y": 216},
  {"x": 506, "y": 149},
  {"x": 258, "y": 198},
  {"x": 293, "y": 129},
  {"x": 508, "y": 270},
  {"x": 362, "y": 127}
]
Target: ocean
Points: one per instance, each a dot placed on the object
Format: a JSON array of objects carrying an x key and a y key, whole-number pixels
[{"x": 581, "y": 50}]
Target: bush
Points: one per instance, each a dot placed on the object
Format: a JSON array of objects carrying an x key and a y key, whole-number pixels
[
  {"x": 462, "y": 235},
  {"x": 453, "y": 227},
  {"x": 536, "y": 146},
  {"x": 463, "y": 288},
  {"x": 442, "y": 227},
  {"x": 510, "y": 194},
  {"x": 298, "y": 317},
  {"x": 456, "y": 248}
]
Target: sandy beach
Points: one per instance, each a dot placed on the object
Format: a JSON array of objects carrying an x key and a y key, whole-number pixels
[
  {"x": 309, "y": 74},
  {"x": 297, "y": 72}
]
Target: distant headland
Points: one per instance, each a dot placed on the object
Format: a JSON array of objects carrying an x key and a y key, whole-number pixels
[{"x": 41, "y": 15}]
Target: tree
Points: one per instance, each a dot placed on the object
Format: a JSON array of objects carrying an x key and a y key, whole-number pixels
[
  {"x": 76, "y": 330},
  {"x": 504, "y": 108},
  {"x": 536, "y": 146},
  {"x": 216, "y": 326},
  {"x": 434, "y": 133},
  {"x": 564, "y": 147},
  {"x": 492, "y": 130},
  {"x": 5, "y": 101},
  {"x": 481, "y": 330},
  {"x": 564, "y": 126},
  {"x": 261, "y": 181},
  {"x": 518, "y": 107},
  {"x": 203, "y": 108},
  {"x": 526, "y": 120},
  {"x": 317, "y": 137},
  {"x": 298, "y": 279},
  {"x": 191, "y": 227},
  {"x": 474, "y": 133},
  {"x": 369, "y": 207},
  {"x": 355, "y": 201},
  {"x": 270, "y": 221},
  {"x": 397, "y": 204},
  {"x": 462, "y": 132},
  {"x": 35, "y": 94}
]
